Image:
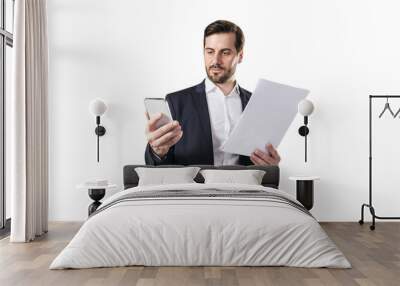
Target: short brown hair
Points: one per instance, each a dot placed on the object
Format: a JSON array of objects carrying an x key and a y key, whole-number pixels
[{"x": 223, "y": 26}]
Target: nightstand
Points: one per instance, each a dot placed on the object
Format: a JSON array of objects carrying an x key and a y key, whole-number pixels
[
  {"x": 96, "y": 193},
  {"x": 305, "y": 190}
]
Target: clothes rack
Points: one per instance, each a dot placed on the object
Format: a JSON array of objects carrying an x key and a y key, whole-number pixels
[{"x": 370, "y": 205}]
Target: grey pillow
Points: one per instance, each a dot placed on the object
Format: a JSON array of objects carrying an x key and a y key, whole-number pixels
[
  {"x": 162, "y": 176},
  {"x": 248, "y": 177}
]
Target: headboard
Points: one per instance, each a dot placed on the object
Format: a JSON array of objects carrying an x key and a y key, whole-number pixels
[{"x": 270, "y": 179}]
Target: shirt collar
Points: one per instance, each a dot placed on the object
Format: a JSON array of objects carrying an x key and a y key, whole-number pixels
[{"x": 210, "y": 86}]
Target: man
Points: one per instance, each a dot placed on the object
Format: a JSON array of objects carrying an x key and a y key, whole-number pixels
[{"x": 205, "y": 114}]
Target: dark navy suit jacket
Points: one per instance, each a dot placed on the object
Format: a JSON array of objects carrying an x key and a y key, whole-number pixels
[{"x": 189, "y": 107}]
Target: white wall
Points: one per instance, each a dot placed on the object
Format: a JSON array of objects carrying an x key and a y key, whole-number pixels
[{"x": 123, "y": 51}]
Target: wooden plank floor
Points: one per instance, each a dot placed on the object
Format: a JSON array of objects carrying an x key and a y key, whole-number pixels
[{"x": 375, "y": 257}]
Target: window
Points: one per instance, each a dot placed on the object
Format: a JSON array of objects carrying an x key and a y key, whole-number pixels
[{"x": 6, "y": 44}]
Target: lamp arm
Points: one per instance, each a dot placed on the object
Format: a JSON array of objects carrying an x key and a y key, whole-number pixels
[
  {"x": 98, "y": 146},
  {"x": 305, "y": 146},
  {"x": 305, "y": 139}
]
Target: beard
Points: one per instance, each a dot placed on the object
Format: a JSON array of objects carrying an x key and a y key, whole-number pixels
[{"x": 220, "y": 77}]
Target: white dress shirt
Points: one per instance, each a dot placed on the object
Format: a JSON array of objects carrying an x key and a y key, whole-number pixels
[{"x": 224, "y": 111}]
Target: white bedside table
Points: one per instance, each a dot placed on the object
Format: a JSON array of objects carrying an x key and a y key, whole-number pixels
[
  {"x": 305, "y": 190},
  {"x": 96, "y": 193}
]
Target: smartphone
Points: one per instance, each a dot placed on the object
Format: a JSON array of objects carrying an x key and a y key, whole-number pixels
[{"x": 155, "y": 105}]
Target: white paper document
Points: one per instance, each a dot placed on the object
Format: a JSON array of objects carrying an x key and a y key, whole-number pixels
[{"x": 266, "y": 118}]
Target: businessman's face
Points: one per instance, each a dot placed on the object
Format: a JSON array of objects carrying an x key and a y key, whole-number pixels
[{"x": 221, "y": 57}]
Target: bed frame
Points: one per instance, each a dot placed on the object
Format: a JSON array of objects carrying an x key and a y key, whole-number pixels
[{"x": 270, "y": 179}]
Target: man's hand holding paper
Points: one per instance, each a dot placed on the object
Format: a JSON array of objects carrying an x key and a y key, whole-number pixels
[
  {"x": 264, "y": 122},
  {"x": 269, "y": 156}
]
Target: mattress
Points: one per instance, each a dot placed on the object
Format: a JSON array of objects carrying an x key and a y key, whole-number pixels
[{"x": 201, "y": 225}]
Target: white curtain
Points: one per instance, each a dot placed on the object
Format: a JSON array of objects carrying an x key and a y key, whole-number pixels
[{"x": 28, "y": 121}]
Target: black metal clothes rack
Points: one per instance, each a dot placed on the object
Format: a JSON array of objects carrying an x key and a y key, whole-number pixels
[{"x": 370, "y": 205}]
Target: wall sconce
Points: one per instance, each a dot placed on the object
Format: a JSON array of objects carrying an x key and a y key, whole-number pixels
[
  {"x": 97, "y": 107},
  {"x": 305, "y": 108}
]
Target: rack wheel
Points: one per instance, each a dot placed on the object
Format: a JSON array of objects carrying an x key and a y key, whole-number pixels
[
  {"x": 372, "y": 227},
  {"x": 361, "y": 222}
]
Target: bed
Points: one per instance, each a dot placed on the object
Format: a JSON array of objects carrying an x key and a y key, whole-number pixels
[{"x": 201, "y": 224}]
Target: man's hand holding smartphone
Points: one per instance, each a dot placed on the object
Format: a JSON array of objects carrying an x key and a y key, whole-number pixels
[{"x": 164, "y": 137}]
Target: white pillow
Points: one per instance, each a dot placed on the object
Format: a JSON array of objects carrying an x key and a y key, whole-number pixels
[
  {"x": 163, "y": 176},
  {"x": 248, "y": 177}
]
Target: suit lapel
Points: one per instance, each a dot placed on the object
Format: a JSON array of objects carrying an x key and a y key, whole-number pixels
[
  {"x": 200, "y": 100},
  {"x": 244, "y": 97}
]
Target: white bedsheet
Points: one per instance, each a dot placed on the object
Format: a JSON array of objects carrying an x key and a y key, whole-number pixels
[{"x": 193, "y": 231}]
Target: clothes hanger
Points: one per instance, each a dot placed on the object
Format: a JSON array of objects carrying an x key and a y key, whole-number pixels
[
  {"x": 397, "y": 113},
  {"x": 387, "y": 107}
]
